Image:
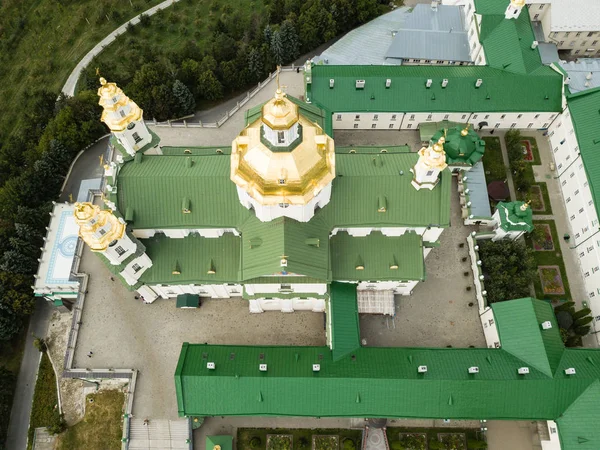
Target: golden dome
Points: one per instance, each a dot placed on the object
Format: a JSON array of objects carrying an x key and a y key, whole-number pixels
[
  {"x": 280, "y": 113},
  {"x": 119, "y": 110},
  {"x": 518, "y": 3},
  {"x": 97, "y": 228},
  {"x": 292, "y": 174},
  {"x": 434, "y": 157}
]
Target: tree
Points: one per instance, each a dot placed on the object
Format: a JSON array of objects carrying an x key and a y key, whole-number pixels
[
  {"x": 268, "y": 34},
  {"x": 581, "y": 313},
  {"x": 289, "y": 40},
  {"x": 277, "y": 48},
  {"x": 10, "y": 323},
  {"x": 255, "y": 65},
  {"x": 7, "y": 385},
  {"x": 209, "y": 86},
  {"x": 186, "y": 104},
  {"x": 316, "y": 25}
]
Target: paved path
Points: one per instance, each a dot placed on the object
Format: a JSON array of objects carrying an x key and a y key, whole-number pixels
[
  {"x": 69, "y": 87},
  {"x": 513, "y": 435},
  {"x": 21, "y": 410}
]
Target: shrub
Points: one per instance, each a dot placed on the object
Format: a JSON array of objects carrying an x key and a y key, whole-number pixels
[
  {"x": 348, "y": 444},
  {"x": 567, "y": 306},
  {"x": 475, "y": 444},
  {"x": 581, "y": 313},
  {"x": 58, "y": 424},
  {"x": 397, "y": 445},
  {"x": 40, "y": 344},
  {"x": 255, "y": 442}
]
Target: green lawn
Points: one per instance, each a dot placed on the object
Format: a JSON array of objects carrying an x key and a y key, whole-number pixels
[
  {"x": 44, "y": 410},
  {"x": 550, "y": 258},
  {"x": 41, "y": 41},
  {"x": 492, "y": 160},
  {"x": 300, "y": 436},
  {"x": 102, "y": 426}
]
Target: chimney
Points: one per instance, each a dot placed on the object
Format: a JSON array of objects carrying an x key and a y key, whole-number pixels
[{"x": 434, "y": 5}]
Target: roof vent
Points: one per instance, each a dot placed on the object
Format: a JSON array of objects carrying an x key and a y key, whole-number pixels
[
  {"x": 445, "y": 82},
  {"x": 332, "y": 82},
  {"x": 283, "y": 262},
  {"x": 422, "y": 369},
  {"x": 211, "y": 365},
  {"x": 474, "y": 369},
  {"x": 534, "y": 45},
  {"x": 316, "y": 367},
  {"x": 523, "y": 370},
  {"x": 570, "y": 371},
  {"x": 546, "y": 325},
  {"x": 568, "y": 80},
  {"x": 360, "y": 84},
  {"x": 262, "y": 367},
  {"x": 428, "y": 83},
  {"x": 388, "y": 83},
  {"x": 589, "y": 76},
  {"x": 479, "y": 82}
]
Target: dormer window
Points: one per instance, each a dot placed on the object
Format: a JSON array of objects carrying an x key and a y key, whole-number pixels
[
  {"x": 282, "y": 181},
  {"x": 280, "y": 137},
  {"x": 122, "y": 113}
]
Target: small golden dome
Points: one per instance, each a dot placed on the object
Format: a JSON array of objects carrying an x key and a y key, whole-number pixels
[
  {"x": 97, "y": 228},
  {"x": 119, "y": 110},
  {"x": 518, "y": 3},
  {"x": 280, "y": 113}
]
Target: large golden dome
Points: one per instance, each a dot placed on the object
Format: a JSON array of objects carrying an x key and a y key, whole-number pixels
[
  {"x": 282, "y": 157},
  {"x": 97, "y": 228}
]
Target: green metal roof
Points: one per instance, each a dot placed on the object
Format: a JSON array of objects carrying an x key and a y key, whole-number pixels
[
  {"x": 225, "y": 442},
  {"x": 305, "y": 247},
  {"x": 501, "y": 91},
  {"x": 584, "y": 107},
  {"x": 187, "y": 301},
  {"x": 578, "y": 425},
  {"x": 512, "y": 218},
  {"x": 192, "y": 257},
  {"x": 374, "y": 149},
  {"x": 345, "y": 330},
  {"x": 465, "y": 150},
  {"x": 519, "y": 327},
  {"x": 377, "y": 253},
  {"x": 384, "y": 382}
]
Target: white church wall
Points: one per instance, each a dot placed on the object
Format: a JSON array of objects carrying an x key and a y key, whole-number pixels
[
  {"x": 134, "y": 270},
  {"x": 490, "y": 330},
  {"x": 184, "y": 232},
  {"x": 203, "y": 290},
  {"x": 431, "y": 234},
  {"x": 120, "y": 250},
  {"x": 582, "y": 216},
  {"x": 291, "y": 287},
  {"x": 286, "y": 305},
  {"x": 554, "y": 442},
  {"x": 399, "y": 287}
]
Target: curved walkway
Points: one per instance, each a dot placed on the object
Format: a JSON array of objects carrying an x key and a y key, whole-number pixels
[{"x": 69, "y": 87}]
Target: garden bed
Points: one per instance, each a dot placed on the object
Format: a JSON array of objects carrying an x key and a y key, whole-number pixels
[
  {"x": 413, "y": 441},
  {"x": 551, "y": 280},
  {"x": 533, "y": 152},
  {"x": 280, "y": 441},
  {"x": 453, "y": 441},
  {"x": 543, "y": 242},
  {"x": 466, "y": 436},
  {"x": 325, "y": 442},
  {"x": 301, "y": 437}
]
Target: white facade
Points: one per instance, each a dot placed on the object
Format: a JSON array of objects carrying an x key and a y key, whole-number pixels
[
  {"x": 151, "y": 292},
  {"x": 411, "y": 121},
  {"x": 301, "y": 213},
  {"x": 490, "y": 331},
  {"x": 429, "y": 234},
  {"x": 134, "y": 270},
  {"x": 397, "y": 287},
  {"x": 513, "y": 10},
  {"x": 501, "y": 233},
  {"x": 287, "y": 305},
  {"x": 119, "y": 250},
  {"x": 179, "y": 233},
  {"x": 579, "y": 205}
]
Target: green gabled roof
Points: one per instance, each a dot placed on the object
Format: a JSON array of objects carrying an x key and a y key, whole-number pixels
[
  {"x": 155, "y": 188},
  {"x": 225, "y": 442},
  {"x": 193, "y": 257},
  {"x": 512, "y": 218},
  {"x": 376, "y": 382},
  {"x": 374, "y": 149},
  {"x": 361, "y": 181},
  {"x": 304, "y": 245},
  {"x": 187, "y": 301},
  {"x": 501, "y": 90},
  {"x": 345, "y": 330},
  {"x": 519, "y": 327},
  {"x": 585, "y": 114},
  {"x": 578, "y": 425},
  {"x": 377, "y": 253},
  {"x": 507, "y": 43},
  {"x": 196, "y": 151}
]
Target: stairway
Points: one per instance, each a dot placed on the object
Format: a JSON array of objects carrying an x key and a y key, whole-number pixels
[{"x": 159, "y": 434}]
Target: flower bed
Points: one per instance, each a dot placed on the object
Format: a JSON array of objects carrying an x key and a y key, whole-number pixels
[
  {"x": 325, "y": 442},
  {"x": 551, "y": 280},
  {"x": 543, "y": 243},
  {"x": 413, "y": 441},
  {"x": 453, "y": 441},
  {"x": 527, "y": 153},
  {"x": 279, "y": 441}
]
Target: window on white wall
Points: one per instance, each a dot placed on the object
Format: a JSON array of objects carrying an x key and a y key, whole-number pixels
[
  {"x": 393, "y": 116},
  {"x": 530, "y": 125},
  {"x": 536, "y": 116},
  {"x": 409, "y": 125},
  {"x": 355, "y": 125},
  {"x": 376, "y": 117},
  {"x": 391, "y": 125},
  {"x": 339, "y": 117},
  {"x": 357, "y": 117},
  {"x": 374, "y": 125},
  {"x": 497, "y": 125}
]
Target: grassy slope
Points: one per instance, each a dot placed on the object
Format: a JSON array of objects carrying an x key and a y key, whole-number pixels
[
  {"x": 101, "y": 427},
  {"x": 171, "y": 28},
  {"x": 45, "y": 399},
  {"x": 48, "y": 39},
  {"x": 492, "y": 160}
]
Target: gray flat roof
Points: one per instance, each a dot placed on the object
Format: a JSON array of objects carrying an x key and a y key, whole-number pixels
[
  {"x": 584, "y": 73},
  {"x": 432, "y": 34},
  {"x": 478, "y": 193}
]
